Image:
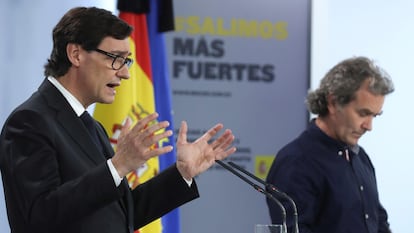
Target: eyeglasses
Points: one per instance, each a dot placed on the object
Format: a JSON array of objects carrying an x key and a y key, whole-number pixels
[{"x": 118, "y": 61}]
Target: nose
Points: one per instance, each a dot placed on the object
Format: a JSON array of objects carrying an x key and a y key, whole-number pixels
[
  {"x": 367, "y": 124},
  {"x": 123, "y": 73}
]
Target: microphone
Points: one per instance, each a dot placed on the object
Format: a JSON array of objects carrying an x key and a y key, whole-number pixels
[
  {"x": 274, "y": 190},
  {"x": 257, "y": 188}
]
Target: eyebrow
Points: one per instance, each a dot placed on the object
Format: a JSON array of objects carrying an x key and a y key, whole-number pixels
[
  {"x": 369, "y": 112},
  {"x": 118, "y": 52}
]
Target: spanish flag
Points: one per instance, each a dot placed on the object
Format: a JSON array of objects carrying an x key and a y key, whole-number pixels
[{"x": 146, "y": 91}]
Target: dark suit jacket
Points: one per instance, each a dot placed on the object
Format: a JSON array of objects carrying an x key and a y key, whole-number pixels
[{"x": 55, "y": 178}]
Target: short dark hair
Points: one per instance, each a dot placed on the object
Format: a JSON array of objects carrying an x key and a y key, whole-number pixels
[
  {"x": 344, "y": 80},
  {"x": 86, "y": 27}
]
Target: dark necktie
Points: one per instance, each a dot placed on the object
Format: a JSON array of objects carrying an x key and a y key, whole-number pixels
[{"x": 90, "y": 125}]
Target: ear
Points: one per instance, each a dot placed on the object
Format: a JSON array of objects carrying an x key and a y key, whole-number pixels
[
  {"x": 331, "y": 103},
  {"x": 73, "y": 53}
]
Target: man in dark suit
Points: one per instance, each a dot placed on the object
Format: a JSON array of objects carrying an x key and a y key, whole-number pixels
[{"x": 60, "y": 177}]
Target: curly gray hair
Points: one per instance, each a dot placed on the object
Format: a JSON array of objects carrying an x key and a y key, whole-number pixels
[{"x": 344, "y": 79}]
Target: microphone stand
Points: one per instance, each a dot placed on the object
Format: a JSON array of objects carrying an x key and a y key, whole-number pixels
[
  {"x": 257, "y": 188},
  {"x": 274, "y": 190}
]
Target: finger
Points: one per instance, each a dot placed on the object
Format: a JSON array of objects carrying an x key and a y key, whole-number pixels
[
  {"x": 125, "y": 127},
  {"x": 226, "y": 153},
  {"x": 149, "y": 140},
  {"x": 223, "y": 139},
  {"x": 182, "y": 133},
  {"x": 158, "y": 151},
  {"x": 226, "y": 141},
  {"x": 143, "y": 123},
  {"x": 153, "y": 129},
  {"x": 223, "y": 152},
  {"x": 211, "y": 132},
  {"x": 162, "y": 136}
]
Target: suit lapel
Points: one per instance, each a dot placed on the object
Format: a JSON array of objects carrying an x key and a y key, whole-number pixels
[
  {"x": 79, "y": 133},
  {"x": 103, "y": 137},
  {"x": 70, "y": 122}
]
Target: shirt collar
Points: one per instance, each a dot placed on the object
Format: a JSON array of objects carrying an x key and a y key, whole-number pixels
[
  {"x": 74, "y": 103},
  {"x": 317, "y": 132}
]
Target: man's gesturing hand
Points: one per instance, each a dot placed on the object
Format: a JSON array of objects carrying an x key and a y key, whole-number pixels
[{"x": 196, "y": 157}]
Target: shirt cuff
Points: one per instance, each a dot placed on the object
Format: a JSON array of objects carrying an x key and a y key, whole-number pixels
[{"x": 114, "y": 173}]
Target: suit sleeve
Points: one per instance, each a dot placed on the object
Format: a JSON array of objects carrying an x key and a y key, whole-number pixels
[
  {"x": 161, "y": 194},
  {"x": 384, "y": 226}
]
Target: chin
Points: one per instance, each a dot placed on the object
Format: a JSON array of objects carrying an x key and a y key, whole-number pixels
[
  {"x": 107, "y": 101},
  {"x": 353, "y": 143}
]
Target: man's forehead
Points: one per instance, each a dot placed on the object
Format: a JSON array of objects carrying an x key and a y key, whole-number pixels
[
  {"x": 115, "y": 45},
  {"x": 368, "y": 102}
]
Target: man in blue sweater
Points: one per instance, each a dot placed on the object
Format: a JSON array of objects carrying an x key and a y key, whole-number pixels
[{"x": 324, "y": 170}]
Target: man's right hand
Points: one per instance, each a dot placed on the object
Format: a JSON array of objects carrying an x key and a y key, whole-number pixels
[{"x": 135, "y": 146}]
